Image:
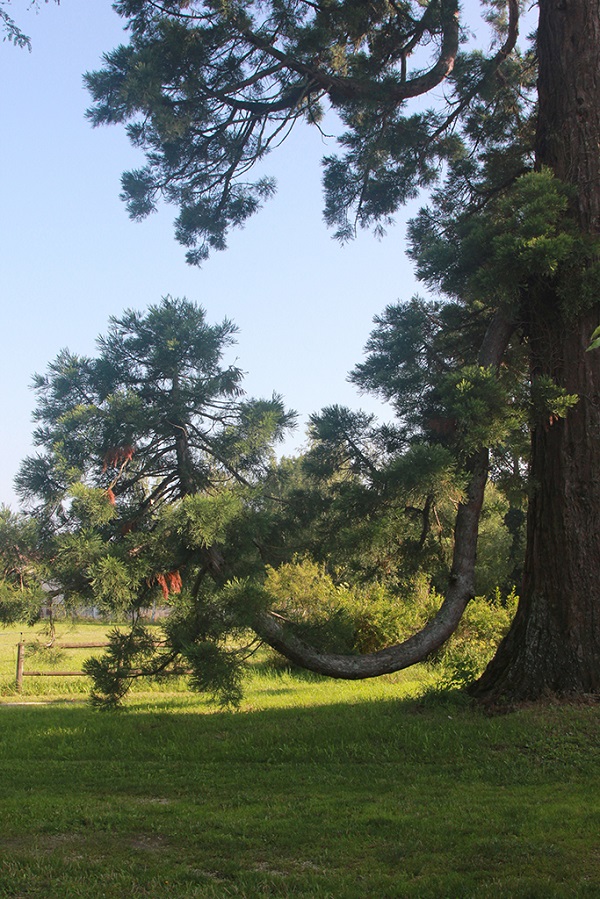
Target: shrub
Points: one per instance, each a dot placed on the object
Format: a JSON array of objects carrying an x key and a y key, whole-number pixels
[
  {"x": 356, "y": 619},
  {"x": 485, "y": 622},
  {"x": 365, "y": 619}
]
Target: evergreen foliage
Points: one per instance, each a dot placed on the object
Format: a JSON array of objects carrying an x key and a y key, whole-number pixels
[
  {"x": 509, "y": 243},
  {"x": 208, "y": 89},
  {"x": 157, "y": 486},
  {"x": 21, "y": 569},
  {"x": 150, "y": 454},
  {"x": 12, "y": 32}
]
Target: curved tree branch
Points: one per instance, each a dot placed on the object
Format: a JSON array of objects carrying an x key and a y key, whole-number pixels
[
  {"x": 276, "y": 631},
  {"x": 348, "y": 88},
  {"x": 502, "y": 54}
]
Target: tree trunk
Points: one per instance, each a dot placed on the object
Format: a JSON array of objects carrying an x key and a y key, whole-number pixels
[{"x": 553, "y": 646}]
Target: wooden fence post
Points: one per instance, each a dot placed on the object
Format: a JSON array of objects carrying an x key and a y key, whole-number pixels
[{"x": 20, "y": 664}]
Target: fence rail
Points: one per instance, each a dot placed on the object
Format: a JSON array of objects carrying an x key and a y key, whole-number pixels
[{"x": 21, "y": 673}]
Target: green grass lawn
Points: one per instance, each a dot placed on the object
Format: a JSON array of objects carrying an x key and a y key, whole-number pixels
[
  {"x": 314, "y": 788},
  {"x": 39, "y": 658}
]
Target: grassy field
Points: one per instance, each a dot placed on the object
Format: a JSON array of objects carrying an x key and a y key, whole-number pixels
[
  {"x": 312, "y": 789},
  {"x": 40, "y": 658}
]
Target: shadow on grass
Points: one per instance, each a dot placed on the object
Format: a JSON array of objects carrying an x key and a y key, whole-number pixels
[
  {"x": 385, "y": 797},
  {"x": 442, "y": 728}
]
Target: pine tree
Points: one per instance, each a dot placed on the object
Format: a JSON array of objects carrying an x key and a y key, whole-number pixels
[
  {"x": 21, "y": 568},
  {"x": 207, "y": 89},
  {"x": 149, "y": 459},
  {"x": 12, "y": 32}
]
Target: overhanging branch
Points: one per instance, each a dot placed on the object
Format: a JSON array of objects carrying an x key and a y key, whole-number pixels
[
  {"x": 349, "y": 88},
  {"x": 415, "y": 649}
]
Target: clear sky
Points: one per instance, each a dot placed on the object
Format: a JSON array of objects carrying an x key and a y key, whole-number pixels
[{"x": 70, "y": 257}]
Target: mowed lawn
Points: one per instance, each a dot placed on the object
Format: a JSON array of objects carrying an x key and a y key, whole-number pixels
[{"x": 314, "y": 788}]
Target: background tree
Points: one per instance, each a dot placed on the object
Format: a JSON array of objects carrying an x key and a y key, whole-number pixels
[
  {"x": 372, "y": 506},
  {"x": 150, "y": 454},
  {"x": 206, "y": 90},
  {"x": 21, "y": 571}
]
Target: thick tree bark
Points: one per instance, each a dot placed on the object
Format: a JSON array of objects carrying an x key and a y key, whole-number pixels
[{"x": 554, "y": 644}]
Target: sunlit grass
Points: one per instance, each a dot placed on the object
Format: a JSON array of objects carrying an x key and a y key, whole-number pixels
[
  {"x": 267, "y": 685},
  {"x": 40, "y": 658},
  {"x": 314, "y": 788}
]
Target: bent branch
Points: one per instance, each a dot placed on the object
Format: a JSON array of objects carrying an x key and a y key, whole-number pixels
[
  {"x": 275, "y": 631},
  {"x": 341, "y": 88}
]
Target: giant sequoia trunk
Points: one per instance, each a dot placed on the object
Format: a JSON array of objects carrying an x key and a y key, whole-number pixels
[{"x": 554, "y": 644}]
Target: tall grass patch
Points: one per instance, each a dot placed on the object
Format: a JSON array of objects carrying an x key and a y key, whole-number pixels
[{"x": 43, "y": 652}]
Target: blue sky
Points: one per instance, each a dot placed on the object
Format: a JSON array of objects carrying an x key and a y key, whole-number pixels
[{"x": 70, "y": 257}]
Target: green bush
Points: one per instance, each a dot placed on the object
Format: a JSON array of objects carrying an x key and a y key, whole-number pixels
[
  {"x": 381, "y": 618},
  {"x": 356, "y": 619},
  {"x": 485, "y": 622},
  {"x": 304, "y": 593},
  {"x": 366, "y": 619}
]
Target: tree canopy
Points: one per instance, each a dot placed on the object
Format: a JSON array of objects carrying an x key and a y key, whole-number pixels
[
  {"x": 21, "y": 571},
  {"x": 142, "y": 448},
  {"x": 157, "y": 487},
  {"x": 207, "y": 90},
  {"x": 508, "y": 151}
]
